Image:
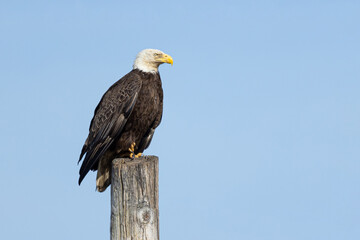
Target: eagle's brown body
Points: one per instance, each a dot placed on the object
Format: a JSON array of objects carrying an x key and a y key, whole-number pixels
[{"x": 128, "y": 113}]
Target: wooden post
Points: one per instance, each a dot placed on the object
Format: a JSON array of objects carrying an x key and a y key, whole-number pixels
[{"x": 135, "y": 199}]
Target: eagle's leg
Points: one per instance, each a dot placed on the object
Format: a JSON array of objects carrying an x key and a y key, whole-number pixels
[{"x": 132, "y": 151}]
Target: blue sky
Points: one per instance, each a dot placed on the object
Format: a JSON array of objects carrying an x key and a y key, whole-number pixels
[{"x": 261, "y": 128}]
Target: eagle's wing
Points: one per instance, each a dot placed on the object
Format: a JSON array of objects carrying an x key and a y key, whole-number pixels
[{"x": 109, "y": 119}]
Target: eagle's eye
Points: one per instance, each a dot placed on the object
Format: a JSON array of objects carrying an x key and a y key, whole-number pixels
[{"x": 157, "y": 54}]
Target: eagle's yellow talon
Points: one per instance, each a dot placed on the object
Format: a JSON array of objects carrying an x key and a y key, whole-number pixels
[
  {"x": 138, "y": 155},
  {"x": 131, "y": 155}
]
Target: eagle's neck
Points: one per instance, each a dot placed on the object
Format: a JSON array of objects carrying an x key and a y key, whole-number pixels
[{"x": 145, "y": 66}]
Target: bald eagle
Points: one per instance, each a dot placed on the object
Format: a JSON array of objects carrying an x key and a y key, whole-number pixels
[{"x": 125, "y": 119}]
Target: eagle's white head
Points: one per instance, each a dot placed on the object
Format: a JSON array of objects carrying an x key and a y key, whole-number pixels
[{"x": 149, "y": 60}]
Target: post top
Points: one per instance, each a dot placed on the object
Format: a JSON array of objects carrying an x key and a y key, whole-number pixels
[{"x": 129, "y": 161}]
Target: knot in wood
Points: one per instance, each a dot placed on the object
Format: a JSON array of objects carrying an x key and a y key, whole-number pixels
[{"x": 145, "y": 215}]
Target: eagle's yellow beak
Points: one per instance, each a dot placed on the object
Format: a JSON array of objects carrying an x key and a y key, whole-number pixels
[{"x": 166, "y": 59}]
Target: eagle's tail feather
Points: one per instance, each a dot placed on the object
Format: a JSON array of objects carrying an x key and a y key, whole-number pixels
[{"x": 92, "y": 157}]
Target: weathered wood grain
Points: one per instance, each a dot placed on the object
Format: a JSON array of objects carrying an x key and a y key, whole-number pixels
[{"x": 135, "y": 199}]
